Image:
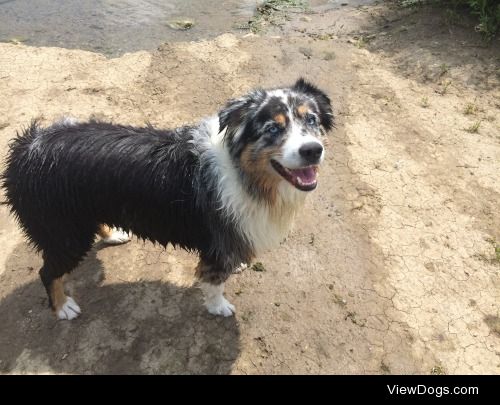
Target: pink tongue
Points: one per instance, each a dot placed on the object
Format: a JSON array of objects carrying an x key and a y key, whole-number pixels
[{"x": 307, "y": 175}]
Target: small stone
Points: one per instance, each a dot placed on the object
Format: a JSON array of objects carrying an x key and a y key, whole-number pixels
[{"x": 181, "y": 24}]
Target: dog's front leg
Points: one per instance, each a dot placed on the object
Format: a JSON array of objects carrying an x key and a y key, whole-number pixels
[{"x": 212, "y": 276}]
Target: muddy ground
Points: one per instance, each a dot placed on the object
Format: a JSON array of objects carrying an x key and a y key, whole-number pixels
[{"x": 391, "y": 268}]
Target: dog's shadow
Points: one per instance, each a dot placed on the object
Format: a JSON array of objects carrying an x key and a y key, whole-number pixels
[{"x": 143, "y": 327}]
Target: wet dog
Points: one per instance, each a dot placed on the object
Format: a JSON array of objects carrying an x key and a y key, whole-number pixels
[{"x": 227, "y": 188}]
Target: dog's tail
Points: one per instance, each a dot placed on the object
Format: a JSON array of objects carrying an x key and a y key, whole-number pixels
[
  {"x": 16, "y": 155},
  {"x": 26, "y": 136}
]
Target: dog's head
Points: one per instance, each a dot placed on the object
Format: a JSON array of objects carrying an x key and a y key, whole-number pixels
[{"x": 273, "y": 136}]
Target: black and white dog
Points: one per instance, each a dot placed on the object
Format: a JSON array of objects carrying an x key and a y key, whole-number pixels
[{"x": 227, "y": 188}]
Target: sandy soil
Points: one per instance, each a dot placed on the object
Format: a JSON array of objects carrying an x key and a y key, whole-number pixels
[{"x": 390, "y": 269}]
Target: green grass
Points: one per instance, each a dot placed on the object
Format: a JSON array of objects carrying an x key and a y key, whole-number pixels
[
  {"x": 487, "y": 12},
  {"x": 470, "y": 109},
  {"x": 258, "y": 266},
  {"x": 443, "y": 69},
  {"x": 474, "y": 128},
  {"x": 444, "y": 87}
]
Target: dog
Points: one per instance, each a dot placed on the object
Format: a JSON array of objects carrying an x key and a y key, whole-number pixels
[{"x": 227, "y": 188}]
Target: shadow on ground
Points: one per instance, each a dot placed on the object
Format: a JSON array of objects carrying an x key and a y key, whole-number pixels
[{"x": 132, "y": 327}]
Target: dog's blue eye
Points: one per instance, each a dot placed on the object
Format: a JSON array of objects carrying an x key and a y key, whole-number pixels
[
  {"x": 274, "y": 129},
  {"x": 311, "y": 120}
]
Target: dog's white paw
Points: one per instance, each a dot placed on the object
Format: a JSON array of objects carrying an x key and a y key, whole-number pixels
[
  {"x": 240, "y": 268},
  {"x": 118, "y": 236},
  {"x": 215, "y": 301},
  {"x": 69, "y": 310},
  {"x": 221, "y": 306}
]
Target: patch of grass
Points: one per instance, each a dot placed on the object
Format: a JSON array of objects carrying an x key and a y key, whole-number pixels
[
  {"x": 424, "y": 102},
  {"x": 487, "y": 12},
  {"x": 437, "y": 370},
  {"x": 474, "y": 128},
  {"x": 470, "y": 109},
  {"x": 489, "y": 16},
  {"x": 274, "y": 13},
  {"x": 493, "y": 258},
  {"x": 444, "y": 87},
  {"x": 259, "y": 267},
  {"x": 496, "y": 247},
  {"x": 443, "y": 69}
]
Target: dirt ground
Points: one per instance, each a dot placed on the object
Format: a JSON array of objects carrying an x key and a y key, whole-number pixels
[{"x": 393, "y": 267}]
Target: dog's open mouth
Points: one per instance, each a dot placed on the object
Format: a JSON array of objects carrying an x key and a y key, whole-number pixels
[{"x": 304, "y": 178}]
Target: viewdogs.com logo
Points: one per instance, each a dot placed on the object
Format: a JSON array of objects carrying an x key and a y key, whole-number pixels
[{"x": 431, "y": 390}]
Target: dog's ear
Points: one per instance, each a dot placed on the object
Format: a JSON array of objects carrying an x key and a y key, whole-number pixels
[
  {"x": 236, "y": 112},
  {"x": 233, "y": 113},
  {"x": 322, "y": 100}
]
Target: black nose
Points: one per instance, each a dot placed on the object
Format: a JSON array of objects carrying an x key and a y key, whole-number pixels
[{"x": 311, "y": 152}]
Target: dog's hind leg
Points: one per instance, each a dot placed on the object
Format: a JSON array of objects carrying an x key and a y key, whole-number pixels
[
  {"x": 113, "y": 236},
  {"x": 212, "y": 277},
  {"x": 59, "y": 259}
]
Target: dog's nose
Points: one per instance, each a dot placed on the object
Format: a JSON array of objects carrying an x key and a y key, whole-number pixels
[{"x": 311, "y": 152}]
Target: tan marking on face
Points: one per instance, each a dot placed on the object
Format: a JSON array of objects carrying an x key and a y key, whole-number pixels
[
  {"x": 280, "y": 119},
  {"x": 302, "y": 110},
  {"x": 258, "y": 169},
  {"x": 57, "y": 294}
]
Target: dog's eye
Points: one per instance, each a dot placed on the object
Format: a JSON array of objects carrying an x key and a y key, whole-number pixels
[
  {"x": 274, "y": 129},
  {"x": 311, "y": 119}
]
